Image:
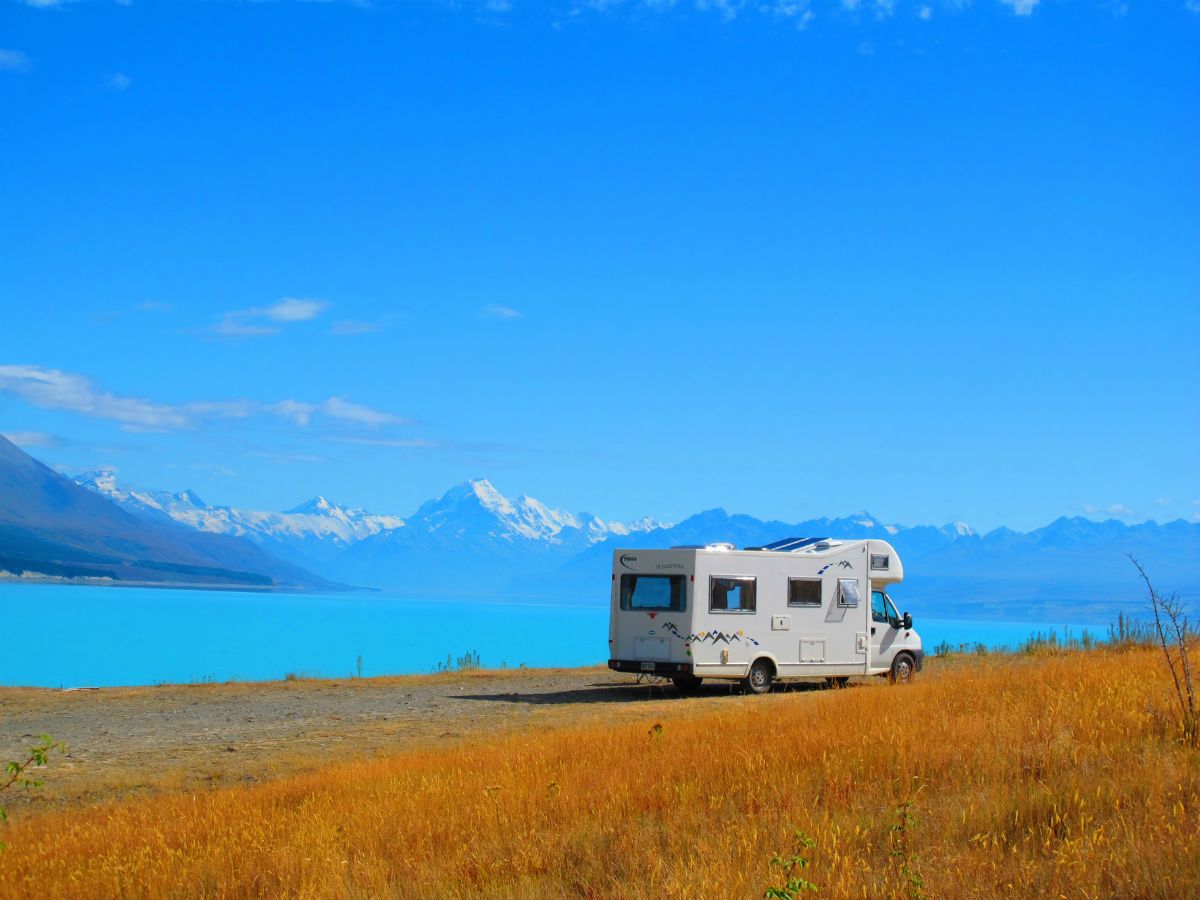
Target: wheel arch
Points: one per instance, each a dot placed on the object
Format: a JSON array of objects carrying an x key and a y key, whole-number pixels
[{"x": 767, "y": 658}]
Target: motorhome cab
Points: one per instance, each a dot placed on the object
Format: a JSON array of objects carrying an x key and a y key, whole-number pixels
[{"x": 798, "y": 608}]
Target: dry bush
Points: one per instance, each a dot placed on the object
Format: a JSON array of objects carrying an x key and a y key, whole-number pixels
[{"x": 1028, "y": 776}]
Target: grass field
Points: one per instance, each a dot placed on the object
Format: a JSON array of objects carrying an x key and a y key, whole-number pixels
[{"x": 1023, "y": 776}]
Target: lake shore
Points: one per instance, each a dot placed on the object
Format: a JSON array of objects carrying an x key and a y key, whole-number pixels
[{"x": 127, "y": 741}]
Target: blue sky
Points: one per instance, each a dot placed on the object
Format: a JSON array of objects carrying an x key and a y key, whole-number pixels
[{"x": 938, "y": 260}]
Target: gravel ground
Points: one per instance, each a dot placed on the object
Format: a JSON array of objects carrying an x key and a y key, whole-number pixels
[{"x": 132, "y": 740}]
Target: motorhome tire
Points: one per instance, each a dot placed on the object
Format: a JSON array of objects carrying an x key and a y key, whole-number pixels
[
  {"x": 759, "y": 679},
  {"x": 903, "y": 669},
  {"x": 687, "y": 684}
]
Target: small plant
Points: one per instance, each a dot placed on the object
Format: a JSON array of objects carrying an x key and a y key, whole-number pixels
[
  {"x": 791, "y": 869},
  {"x": 943, "y": 649},
  {"x": 469, "y": 662},
  {"x": 358, "y": 665},
  {"x": 981, "y": 649},
  {"x": 1127, "y": 633},
  {"x": 905, "y": 861},
  {"x": 16, "y": 772},
  {"x": 1175, "y": 636}
]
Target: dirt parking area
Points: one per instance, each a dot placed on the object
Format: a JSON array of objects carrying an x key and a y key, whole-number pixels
[{"x": 123, "y": 741}]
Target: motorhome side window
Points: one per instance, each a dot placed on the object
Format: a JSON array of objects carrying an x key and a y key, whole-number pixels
[
  {"x": 733, "y": 594},
  {"x": 654, "y": 592},
  {"x": 847, "y": 592},
  {"x": 804, "y": 592}
]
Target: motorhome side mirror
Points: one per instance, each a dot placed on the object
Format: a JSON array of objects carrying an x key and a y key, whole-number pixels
[{"x": 907, "y": 620}]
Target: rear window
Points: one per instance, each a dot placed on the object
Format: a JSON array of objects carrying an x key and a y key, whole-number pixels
[{"x": 656, "y": 592}]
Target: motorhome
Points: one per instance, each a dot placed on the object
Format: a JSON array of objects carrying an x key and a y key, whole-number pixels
[{"x": 799, "y": 608}]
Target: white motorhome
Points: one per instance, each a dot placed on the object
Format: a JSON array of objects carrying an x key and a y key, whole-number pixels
[{"x": 809, "y": 608}]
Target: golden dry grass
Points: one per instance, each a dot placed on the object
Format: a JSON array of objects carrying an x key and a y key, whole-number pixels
[{"x": 1055, "y": 776}]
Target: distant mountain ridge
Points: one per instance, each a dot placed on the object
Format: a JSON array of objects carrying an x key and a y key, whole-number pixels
[
  {"x": 470, "y": 520},
  {"x": 50, "y": 526},
  {"x": 474, "y": 540}
]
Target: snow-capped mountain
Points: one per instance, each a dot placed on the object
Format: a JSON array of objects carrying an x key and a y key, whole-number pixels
[
  {"x": 476, "y": 509},
  {"x": 311, "y": 534},
  {"x": 474, "y": 539},
  {"x": 55, "y": 528}
]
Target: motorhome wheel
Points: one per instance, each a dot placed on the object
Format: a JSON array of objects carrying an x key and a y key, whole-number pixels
[
  {"x": 902, "y": 669},
  {"x": 760, "y": 677}
]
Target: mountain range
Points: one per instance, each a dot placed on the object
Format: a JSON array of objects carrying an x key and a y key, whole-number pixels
[
  {"x": 475, "y": 541},
  {"x": 51, "y": 526}
]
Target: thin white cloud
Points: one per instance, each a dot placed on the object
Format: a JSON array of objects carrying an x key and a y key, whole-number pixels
[
  {"x": 1021, "y": 7},
  {"x": 1120, "y": 510},
  {"x": 354, "y": 327},
  {"x": 260, "y": 320},
  {"x": 796, "y": 11},
  {"x": 346, "y": 327},
  {"x": 496, "y": 311},
  {"x": 725, "y": 9},
  {"x": 220, "y": 409},
  {"x": 343, "y": 409},
  {"x": 118, "y": 82},
  {"x": 335, "y": 408},
  {"x": 288, "y": 457},
  {"x": 33, "y": 438},
  {"x": 292, "y": 309},
  {"x": 215, "y": 468},
  {"x": 13, "y": 61},
  {"x": 925, "y": 13},
  {"x": 293, "y": 410},
  {"x": 55, "y": 389},
  {"x": 43, "y": 4},
  {"x": 399, "y": 443}
]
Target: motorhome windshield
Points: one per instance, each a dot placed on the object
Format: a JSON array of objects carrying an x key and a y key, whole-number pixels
[{"x": 654, "y": 592}]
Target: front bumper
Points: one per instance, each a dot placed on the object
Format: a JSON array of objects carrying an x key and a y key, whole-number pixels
[{"x": 653, "y": 667}]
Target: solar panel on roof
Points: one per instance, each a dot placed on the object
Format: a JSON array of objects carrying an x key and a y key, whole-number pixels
[{"x": 789, "y": 545}]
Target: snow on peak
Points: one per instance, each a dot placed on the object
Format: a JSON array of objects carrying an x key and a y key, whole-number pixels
[
  {"x": 478, "y": 506},
  {"x": 316, "y": 505},
  {"x": 102, "y": 481},
  {"x": 317, "y": 519},
  {"x": 962, "y": 529},
  {"x": 490, "y": 498}
]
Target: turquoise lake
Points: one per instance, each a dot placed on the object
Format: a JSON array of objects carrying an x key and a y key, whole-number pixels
[{"x": 74, "y": 636}]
